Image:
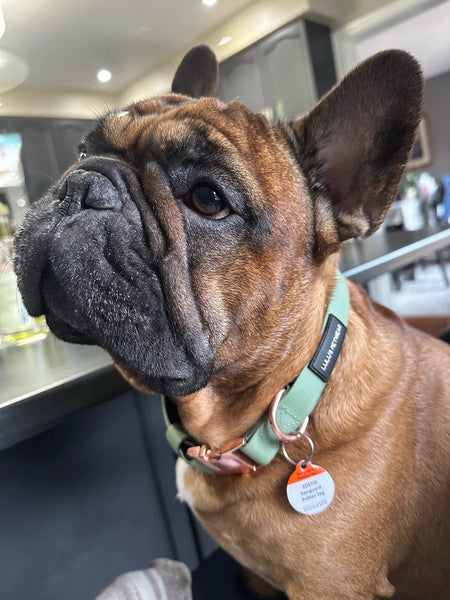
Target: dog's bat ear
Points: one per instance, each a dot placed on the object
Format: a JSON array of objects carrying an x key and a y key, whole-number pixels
[
  {"x": 353, "y": 146},
  {"x": 197, "y": 74}
]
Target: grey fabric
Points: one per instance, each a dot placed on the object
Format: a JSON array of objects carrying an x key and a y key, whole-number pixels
[{"x": 164, "y": 580}]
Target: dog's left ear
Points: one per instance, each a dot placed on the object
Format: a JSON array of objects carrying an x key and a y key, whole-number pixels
[
  {"x": 352, "y": 147},
  {"x": 197, "y": 74}
]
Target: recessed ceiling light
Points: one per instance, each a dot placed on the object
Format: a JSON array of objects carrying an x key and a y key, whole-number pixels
[
  {"x": 225, "y": 40},
  {"x": 104, "y": 75},
  {"x": 13, "y": 70},
  {"x": 2, "y": 23},
  {"x": 209, "y": 2}
]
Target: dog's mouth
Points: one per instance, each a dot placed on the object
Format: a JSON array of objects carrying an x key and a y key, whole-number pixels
[{"x": 84, "y": 258}]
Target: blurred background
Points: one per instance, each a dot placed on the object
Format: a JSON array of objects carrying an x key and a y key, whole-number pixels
[{"x": 87, "y": 494}]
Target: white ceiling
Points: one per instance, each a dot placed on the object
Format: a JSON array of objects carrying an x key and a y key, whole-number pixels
[{"x": 65, "y": 42}]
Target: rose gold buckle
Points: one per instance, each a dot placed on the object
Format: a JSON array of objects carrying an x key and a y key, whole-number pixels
[
  {"x": 228, "y": 459},
  {"x": 284, "y": 437}
]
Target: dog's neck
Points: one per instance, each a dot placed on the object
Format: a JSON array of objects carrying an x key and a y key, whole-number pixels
[{"x": 226, "y": 408}]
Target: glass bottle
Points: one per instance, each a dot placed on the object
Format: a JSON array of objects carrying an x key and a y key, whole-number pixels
[{"x": 16, "y": 325}]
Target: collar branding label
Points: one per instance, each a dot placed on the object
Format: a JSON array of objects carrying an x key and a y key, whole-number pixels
[{"x": 330, "y": 345}]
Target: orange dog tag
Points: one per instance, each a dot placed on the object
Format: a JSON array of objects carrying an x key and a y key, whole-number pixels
[{"x": 310, "y": 489}]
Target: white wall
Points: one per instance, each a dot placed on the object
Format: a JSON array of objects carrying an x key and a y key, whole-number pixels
[{"x": 33, "y": 101}]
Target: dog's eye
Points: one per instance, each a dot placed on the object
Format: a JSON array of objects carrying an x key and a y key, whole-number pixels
[
  {"x": 82, "y": 152},
  {"x": 207, "y": 202}
]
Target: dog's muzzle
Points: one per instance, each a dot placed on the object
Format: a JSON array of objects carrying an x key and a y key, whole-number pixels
[{"x": 85, "y": 259}]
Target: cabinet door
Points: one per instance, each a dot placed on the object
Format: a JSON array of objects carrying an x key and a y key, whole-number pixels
[
  {"x": 83, "y": 502},
  {"x": 67, "y": 135},
  {"x": 239, "y": 77},
  {"x": 38, "y": 156},
  {"x": 287, "y": 76},
  {"x": 49, "y": 147}
]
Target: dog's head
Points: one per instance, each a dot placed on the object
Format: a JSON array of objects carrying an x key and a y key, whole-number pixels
[{"x": 190, "y": 230}]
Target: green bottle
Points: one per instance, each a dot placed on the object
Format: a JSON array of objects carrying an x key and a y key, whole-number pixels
[{"x": 16, "y": 325}]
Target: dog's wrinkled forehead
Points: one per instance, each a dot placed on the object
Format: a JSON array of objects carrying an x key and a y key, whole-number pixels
[
  {"x": 178, "y": 129},
  {"x": 171, "y": 118}
]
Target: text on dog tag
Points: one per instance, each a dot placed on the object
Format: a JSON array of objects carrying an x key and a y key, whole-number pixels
[{"x": 310, "y": 489}]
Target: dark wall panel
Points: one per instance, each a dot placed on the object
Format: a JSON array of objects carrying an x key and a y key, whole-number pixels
[
  {"x": 436, "y": 109},
  {"x": 284, "y": 73},
  {"x": 80, "y": 504},
  {"x": 49, "y": 147}
]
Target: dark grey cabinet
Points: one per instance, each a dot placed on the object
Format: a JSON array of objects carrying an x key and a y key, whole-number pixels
[
  {"x": 49, "y": 147},
  {"x": 90, "y": 499},
  {"x": 240, "y": 78},
  {"x": 67, "y": 135},
  {"x": 287, "y": 73},
  {"x": 282, "y": 75}
]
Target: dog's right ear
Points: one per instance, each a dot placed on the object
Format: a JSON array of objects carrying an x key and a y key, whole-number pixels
[
  {"x": 353, "y": 146},
  {"x": 197, "y": 74}
]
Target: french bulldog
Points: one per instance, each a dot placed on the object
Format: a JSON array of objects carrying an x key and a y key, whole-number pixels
[{"x": 198, "y": 245}]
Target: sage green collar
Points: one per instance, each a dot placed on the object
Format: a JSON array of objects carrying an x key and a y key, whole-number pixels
[{"x": 261, "y": 444}]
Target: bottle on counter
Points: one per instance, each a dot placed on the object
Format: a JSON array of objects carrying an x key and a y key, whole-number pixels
[{"x": 16, "y": 325}]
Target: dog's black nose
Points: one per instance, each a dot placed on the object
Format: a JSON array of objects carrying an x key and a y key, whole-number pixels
[{"x": 89, "y": 189}]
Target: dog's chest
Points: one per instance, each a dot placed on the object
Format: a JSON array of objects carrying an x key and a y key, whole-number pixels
[{"x": 249, "y": 520}]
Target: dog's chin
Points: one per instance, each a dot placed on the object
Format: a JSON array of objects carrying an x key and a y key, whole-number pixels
[
  {"x": 175, "y": 378},
  {"x": 177, "y": 388},
  {"x": 174, "y": 388},
  {"x": 67, "y": 333}
]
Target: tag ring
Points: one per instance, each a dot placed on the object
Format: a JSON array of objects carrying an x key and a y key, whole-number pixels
[
  {"x": 284, "y": 437},
  {"x": 304, "y": 461}
]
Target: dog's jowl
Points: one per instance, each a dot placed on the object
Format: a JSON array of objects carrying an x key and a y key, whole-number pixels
[{"x": 198, "y": 245}]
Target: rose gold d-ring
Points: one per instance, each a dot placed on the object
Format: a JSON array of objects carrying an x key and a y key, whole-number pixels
[{"x": 284, "y": 437}]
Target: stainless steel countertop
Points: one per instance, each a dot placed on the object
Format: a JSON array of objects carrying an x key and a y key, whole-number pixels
[
  {"x": 37, "y": 367},
  {"x": 44, "y": 381},
  {"x": 362, "y": 260}
]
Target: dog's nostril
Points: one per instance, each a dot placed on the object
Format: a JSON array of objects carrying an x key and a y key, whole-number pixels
[
  {"x": 89, "y": 189},
  {"x": 101, "y": 193}
]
